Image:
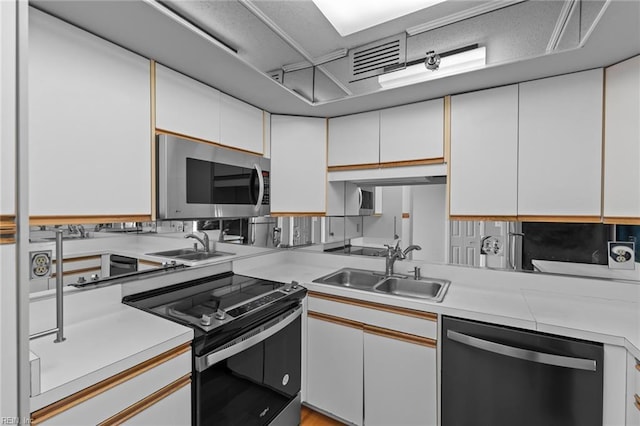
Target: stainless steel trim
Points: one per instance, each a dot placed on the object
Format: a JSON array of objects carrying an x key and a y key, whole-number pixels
[
  {"x": 59, "y": 283},
  {"x": 247, "y": 340},
  {"x": 527, "y": 355},
  {"x": 261, "y": 185}
]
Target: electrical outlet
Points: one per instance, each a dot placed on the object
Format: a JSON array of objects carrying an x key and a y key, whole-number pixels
[
  {"x": 491, "y": 245},
  {"x": 40, "y": 264}
]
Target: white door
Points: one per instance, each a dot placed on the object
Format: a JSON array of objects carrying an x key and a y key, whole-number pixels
[
  {"x": 399, "y": 381},
  {"x": 464, "y": 242},
  {"x": 335, "y": 368}
]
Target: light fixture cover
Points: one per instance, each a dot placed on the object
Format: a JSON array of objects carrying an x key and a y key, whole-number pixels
[
  {"x": 351, "y": 16},
  {"x": 449, "y": 65}
]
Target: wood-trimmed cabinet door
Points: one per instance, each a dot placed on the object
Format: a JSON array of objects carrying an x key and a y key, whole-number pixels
[
  {"x": 335, "y": 368},
  {"x": 622, "y": 143},
  {"x": 560, "y": 147},
  {"x": 241, "y": 125},
  {"x": 354, "y": 140},
  {"x": 298, "y": 165},
  {"x": 483, "y": 177},
  {"x": 413, "y": 132},
  {"x": 400, "y": 382},
  {"x": 89, "y": 126},
  {"x": 186, "y": 106}
]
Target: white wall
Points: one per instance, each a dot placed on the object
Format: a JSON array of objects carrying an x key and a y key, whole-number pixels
[{"x": 429, "y": 220}]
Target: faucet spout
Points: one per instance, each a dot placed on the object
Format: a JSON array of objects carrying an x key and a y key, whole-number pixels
[
  {"x": 411, "y": 248},
  {"x": 204, "y": 240}
]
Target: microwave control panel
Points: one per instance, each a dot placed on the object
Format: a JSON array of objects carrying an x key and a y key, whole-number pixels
[{"x": 265, "y": 198}]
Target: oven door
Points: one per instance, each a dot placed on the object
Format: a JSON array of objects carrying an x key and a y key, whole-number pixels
[
  {"x": 198, "y": 180},
  {"x": 253, "y": 380}
]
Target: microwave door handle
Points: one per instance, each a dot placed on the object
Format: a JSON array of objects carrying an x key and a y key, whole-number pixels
[
  {"x": 359, "y": 197},
  {"x": 260, "y": 186}
]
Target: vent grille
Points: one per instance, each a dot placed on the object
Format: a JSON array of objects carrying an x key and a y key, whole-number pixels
[
  {"x": 277, "y": 75},
  {"x": 378, "y": 57}
]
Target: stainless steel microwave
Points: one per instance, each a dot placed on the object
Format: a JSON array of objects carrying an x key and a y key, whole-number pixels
[
  {"x": 366, "y": 197},
  {"x": 199, "y": 180}
]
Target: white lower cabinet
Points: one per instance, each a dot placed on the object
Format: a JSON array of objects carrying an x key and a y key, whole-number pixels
[
  {"x": 369, "y": 363},
  {"x": 334, "y": 368},
  {"x": 154, "y": 392},
  {"x": 399, "y": 381},
  {"x": 169, "y": 411}
]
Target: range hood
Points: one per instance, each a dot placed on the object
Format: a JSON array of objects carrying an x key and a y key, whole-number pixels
[
  {"x": 421, "y": 180},
  {"x": 430, "y": 174}
]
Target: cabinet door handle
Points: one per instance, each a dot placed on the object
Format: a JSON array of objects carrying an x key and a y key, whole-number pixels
[{"x": 525, "y": 354}]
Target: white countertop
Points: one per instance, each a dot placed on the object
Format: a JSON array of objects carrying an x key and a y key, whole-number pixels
[
  {"x": 590, "y": 309},
  {"x": 103, "y": 337},
  {"x": 587, "y": 270}
]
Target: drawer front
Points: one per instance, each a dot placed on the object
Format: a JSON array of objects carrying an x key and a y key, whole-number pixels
[
  {"x": 112, "y": 396},
  {"x": 408, "y": 321}
]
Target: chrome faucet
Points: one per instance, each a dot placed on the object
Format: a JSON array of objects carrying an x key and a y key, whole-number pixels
[
  {"x": 395, "y": 253},
  {"x": 204, "y": 240}
]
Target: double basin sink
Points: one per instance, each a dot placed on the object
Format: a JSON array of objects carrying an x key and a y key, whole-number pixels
[
  {"x": 190, "y": 254},
  {"x": 432, "y": 289}
]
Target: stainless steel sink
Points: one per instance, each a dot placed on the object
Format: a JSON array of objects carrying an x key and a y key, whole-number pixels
[
  {"x": 173, "y": 253},
  {"x": 425, "y": 288},
  {"x": 432, "y": 289},
  {"x": 353, "y": 278},
  {"x": 190, "y": 254}
]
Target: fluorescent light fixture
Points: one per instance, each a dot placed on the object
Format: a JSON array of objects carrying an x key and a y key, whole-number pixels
[
  {"x": 351, "y": 16},
  {"x": 449, "y": 65}
]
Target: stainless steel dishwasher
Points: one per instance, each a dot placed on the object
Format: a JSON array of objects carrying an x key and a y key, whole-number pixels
[{"x": 500, "y": 376}]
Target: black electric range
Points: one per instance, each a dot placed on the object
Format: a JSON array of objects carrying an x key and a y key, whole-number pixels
[{"x": 246, "y": 348}]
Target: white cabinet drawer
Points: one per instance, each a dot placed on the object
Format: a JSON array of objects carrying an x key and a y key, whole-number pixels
[
  {"x": 418, "y": 323},
  {"x": 119, "y": 393}
]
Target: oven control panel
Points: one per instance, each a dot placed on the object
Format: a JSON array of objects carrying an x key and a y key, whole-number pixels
[{"x": 256, "y": 303}]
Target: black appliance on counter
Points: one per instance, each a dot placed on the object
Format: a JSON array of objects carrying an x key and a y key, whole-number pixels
[
  {"x": 120, "y": 265},
  {"x": 246, "y": 349},
  {"x": 502, "y": 376}
]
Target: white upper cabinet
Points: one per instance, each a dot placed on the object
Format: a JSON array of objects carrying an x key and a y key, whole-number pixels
[
  {"x": 354, "y": 139},
  {"x": 89, "y": 124},
  {"x": 560, "y": 146},
  {"x": 298, "y": 165},
  {"x": 186, "y": 106},
  {"x": 412, "y": 132},
  {"x": 241, "y": 125},
  {"x": 483, "y": 178},
  {"x": 622, "y": 141}
]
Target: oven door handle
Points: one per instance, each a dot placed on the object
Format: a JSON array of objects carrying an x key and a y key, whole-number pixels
[
  {"x": 260, "y": 187},
  {"x": 243, "y": 342}
]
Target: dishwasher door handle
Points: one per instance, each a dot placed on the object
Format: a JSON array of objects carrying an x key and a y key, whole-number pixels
[{"x": 525, "y": 354}]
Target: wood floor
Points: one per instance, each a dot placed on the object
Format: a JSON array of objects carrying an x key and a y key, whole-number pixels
[{"x": 313, "y": 418}]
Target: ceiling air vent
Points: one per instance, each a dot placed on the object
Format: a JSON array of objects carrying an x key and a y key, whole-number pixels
[
  {"x": 378, "y": 57},
  {"x": 277, "y": 75}
]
